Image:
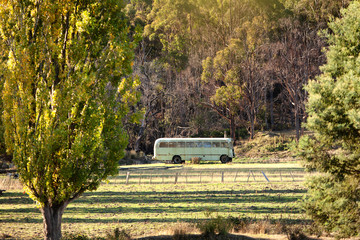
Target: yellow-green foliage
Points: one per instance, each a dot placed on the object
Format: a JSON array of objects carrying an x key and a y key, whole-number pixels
[{"x": 66, "y": 93}]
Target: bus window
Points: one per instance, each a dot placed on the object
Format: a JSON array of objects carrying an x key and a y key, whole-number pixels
[
  {"x": 163, "y": 145},
  {"x": 172, "y": 144},
  {"x": 207, "y": 144},
  {"x": 224, "y": 145},
  {"x": 181, "y": 144},
  {"x": 190, "y": 144},
  {"x": 199, "y": 144},
  {"x": 216, "y": 144}
]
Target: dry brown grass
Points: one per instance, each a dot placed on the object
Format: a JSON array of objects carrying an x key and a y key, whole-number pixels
[
  {"x": 9, "y": 183},
  {"x": 270, "y": 146}
]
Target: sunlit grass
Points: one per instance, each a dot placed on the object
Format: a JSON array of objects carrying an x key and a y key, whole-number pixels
[{"x": 153, "y": 208}]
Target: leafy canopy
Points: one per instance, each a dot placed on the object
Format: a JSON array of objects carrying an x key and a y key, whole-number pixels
[{"x": 66, "y": 93}]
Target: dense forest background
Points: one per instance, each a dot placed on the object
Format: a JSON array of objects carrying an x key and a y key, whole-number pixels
[
  {"x": 239, "y": 65},
  {"x": 206, "y": 66}
]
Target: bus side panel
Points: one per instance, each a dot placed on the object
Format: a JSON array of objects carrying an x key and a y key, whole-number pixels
[
  {"x": 165, "y": 151},
  {"x": 216, "y": 150},
  {"x": 161, "y": 151},
  {"x": 177, "y": 149},
  {"x": 191, "y": 151},
  {"x": 161, "y": 154}
]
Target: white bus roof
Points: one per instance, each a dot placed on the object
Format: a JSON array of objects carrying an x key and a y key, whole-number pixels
[{"x": 192, "y": 139}]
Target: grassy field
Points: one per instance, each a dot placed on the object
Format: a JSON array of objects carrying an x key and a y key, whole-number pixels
[{"x": 152, "y": 204}]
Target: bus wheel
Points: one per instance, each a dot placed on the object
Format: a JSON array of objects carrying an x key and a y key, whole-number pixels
[
  {"x": 177, "y": 159},
  {"x": 224, "y": 159}
]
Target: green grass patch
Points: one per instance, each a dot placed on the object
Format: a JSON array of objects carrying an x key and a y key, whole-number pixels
[{"x": 157, "y": 208}]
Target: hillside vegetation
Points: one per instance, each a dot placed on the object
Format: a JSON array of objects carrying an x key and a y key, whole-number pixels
[{"x": 268, "y": 147}]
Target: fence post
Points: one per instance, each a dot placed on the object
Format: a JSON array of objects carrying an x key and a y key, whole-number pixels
[
  {"x": 248, "y": 176},
  {"x": 236, "y": 176},
  {"x": 253, "y": 176},
  {"x": 265, "y": 176},
  {"x": 176, "y": 178},
  {"x": 292, "y": 176},
  {"x": 200, "y": 177},
  {"x": 222, "y": 177},
  {"x": 140, "y": 178},
  {"x": 280, "y": 176},
  {"x": 127, "y": 177}
]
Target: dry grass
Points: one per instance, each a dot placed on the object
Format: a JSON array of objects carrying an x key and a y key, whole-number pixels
[
  {"x": 181, "y": 229},
  {"x": 267, "y": 147},
  {"x": 9, "y": 183}
]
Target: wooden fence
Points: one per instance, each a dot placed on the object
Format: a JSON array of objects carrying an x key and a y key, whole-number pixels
[{"x": 188, "y": 177}]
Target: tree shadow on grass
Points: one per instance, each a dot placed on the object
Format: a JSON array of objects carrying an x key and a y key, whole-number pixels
[
  {"x": 273, "y": 196},
  {"x": 287, "y": 221},
  {"x": 201, "y": 237},
  {"x": 163, "y": 202},
  {"x": 178, "y": 209},
  {"x": 15, "y": 198},
  {"x": 110, "y": 204},
  {"x": 20, "y": 210},
  {"x": 214, "y": 237},
  {"x": 23, "y": 220}
]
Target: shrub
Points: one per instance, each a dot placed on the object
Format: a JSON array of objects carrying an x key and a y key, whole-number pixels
[
  {"x": 179, "y": 234},
  {"x": 195, "y": 160},
  {"x": 261, "y": 226},
  {"x": 215, "y": 226},
  {"x": 333, "y": 205},
  {"x": 75, "y": 236},
  {"x": 295, "y": 233},
  {"x": 118, "y": 234}
]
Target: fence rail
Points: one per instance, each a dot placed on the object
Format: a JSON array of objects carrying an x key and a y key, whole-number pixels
[{"x": 188, "y": 177}]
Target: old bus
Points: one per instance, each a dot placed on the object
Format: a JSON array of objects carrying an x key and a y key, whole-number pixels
[{"x": 179, "y": 149}]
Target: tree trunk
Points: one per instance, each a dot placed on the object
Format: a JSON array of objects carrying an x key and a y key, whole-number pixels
[
  {"x": 140, "y": 135},
  {"x": 252, "y": 128},
  {"x": 272, "y": 108},
  {"x": 252, "y": 120},
  {"x": 297, "y": 122},
  {"x": 297, "y": 125},
  {"x": 233, "y": 129},
  {"x": 52, "y": 221}
]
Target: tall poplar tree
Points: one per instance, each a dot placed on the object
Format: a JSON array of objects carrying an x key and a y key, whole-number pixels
[{"x": 66, "y": 95}]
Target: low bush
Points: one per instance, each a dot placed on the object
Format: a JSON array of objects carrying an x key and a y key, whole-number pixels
[
  {"x": 116, "y": 234},
  {"x": 195, "y": 160},
  {"x": 75, "y": 236},
  {"x": 179, "y": 234},
  {"x": 295, "y": 233},
  {"x": 215, "y": 226}
]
